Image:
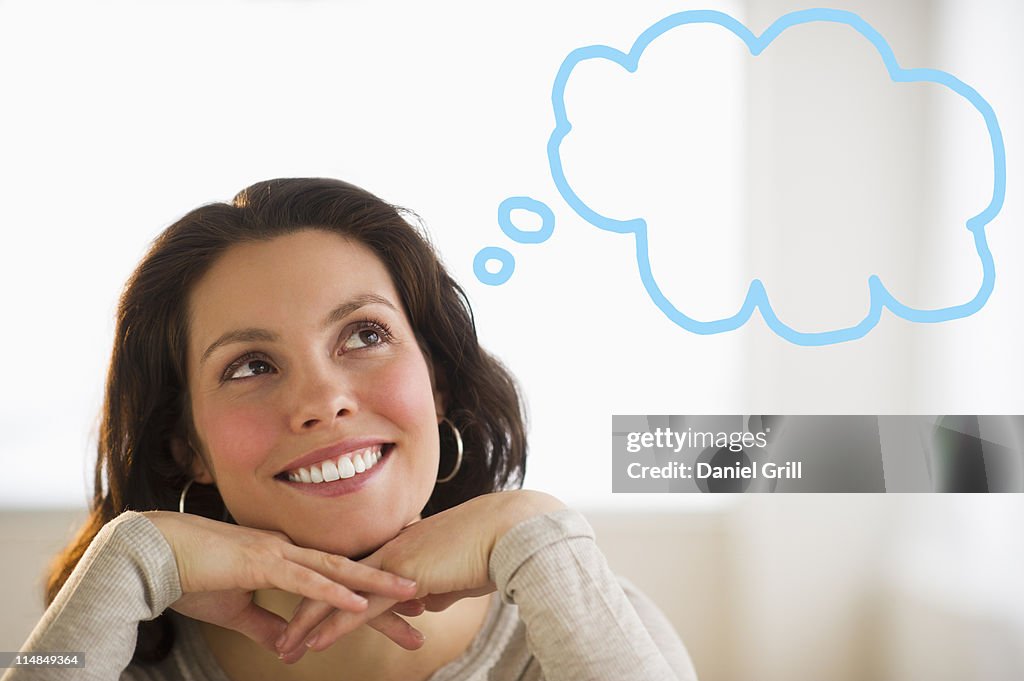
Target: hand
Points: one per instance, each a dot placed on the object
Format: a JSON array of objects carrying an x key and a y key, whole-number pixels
[
  {"x": 220, "y": 566},
  {"x": 448, "y": 554}
]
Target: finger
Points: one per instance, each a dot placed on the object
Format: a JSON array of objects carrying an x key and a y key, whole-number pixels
[
  {"x": 438, "y": 602},
  {"x": 303, "y": 581},
  {"x": 398, "y": 630},
  {"x": 306, "y": 617},
  {"x": 410, "y": 608},
  {"x": 310, "y": 614},
  {"x": 340, "y": 623},
  {"x": 355, "y": 575},
  {"x": 262, "y": 626},
  {"x": 293, "y": 656}
]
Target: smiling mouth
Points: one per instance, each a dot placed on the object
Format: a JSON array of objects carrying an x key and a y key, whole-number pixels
[{"x": 348, "y": 465}]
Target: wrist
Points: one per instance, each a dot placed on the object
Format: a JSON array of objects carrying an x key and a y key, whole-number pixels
[{"x": 523, "y": 504}]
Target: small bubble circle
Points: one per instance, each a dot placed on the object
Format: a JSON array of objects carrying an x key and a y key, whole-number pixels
[
  {"x": 522, "y": 236},
  {"x": 507, "y": 265}
]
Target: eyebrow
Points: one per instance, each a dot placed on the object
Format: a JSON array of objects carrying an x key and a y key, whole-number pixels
[{"x": 253, "y": 334}]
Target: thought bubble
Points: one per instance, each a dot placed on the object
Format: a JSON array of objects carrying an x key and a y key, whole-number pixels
[{"x": 756, "y": 297}]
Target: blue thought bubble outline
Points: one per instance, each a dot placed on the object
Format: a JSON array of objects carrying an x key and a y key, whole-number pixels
[{"x": 757, "y": 296}]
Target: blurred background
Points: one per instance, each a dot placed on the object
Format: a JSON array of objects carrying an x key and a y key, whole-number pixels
[{"x": 806, "y": 167}]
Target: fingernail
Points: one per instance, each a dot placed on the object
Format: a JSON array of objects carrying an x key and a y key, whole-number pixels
[
  {"x": 419, "y": 635},
  {"x": 311, "y": 641},
  {"x": 279, "y": 644},
  {"x": 359, "y": 600},
  {"x": 408, "y": 583}
]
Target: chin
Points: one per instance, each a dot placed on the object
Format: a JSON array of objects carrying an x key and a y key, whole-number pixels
[{"x": 353, "y": 545}]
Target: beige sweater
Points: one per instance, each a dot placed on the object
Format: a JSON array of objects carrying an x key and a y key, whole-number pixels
[{"x": 559, "y": 613}]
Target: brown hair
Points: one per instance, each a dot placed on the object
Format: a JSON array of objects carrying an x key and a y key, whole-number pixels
[{"x": 147, "y": 404}]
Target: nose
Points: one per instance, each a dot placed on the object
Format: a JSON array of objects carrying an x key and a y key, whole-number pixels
[{"x": 319, "y": 395}]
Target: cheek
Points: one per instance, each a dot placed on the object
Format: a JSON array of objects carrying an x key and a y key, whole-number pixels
[
  {"x": 240, "y": 435},
  {"x": 401, "y": 391}
]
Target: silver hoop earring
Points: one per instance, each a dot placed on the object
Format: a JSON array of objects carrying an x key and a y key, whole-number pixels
[
  {"x": 181, "y": 499},
  {"x": 181, "y": 502},
  {"x": 458, "y": 450}
]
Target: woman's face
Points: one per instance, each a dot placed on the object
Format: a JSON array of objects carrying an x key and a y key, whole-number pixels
[{"x": 303, "y": 367}]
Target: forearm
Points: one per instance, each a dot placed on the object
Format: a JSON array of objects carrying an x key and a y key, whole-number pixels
[
  {"x": 127, "y": 575},
  {"x": 579, "y": 622}
]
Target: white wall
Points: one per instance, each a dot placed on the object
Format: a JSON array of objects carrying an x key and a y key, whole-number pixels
[
  {"x": 123, "y": 116},
  {"x": 832, "y": 173},
  {"x": 852, "y": 175},
  {"x": 977, "y": 367}
]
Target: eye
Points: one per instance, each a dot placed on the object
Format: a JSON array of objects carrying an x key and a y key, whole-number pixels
[
  {"x": 366, "y": 334},
  {"x": 247, "y": 366}
]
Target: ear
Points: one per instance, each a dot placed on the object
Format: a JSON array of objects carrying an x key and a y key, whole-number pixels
[
  {"x": 189, "y": 458},
  {"x": 440, "y": 385},
  {"x": 439, "y": 405}
]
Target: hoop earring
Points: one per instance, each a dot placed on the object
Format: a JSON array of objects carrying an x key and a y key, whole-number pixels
[
  {"x": 458, "y": 450},
  {"x": 181, "y": 502},
  {"x": 181, "y": 499}
]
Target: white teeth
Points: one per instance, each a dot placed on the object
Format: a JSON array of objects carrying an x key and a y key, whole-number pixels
[
  {"x": 345, "y": 466},
  {"x": 330, "y": 471}
]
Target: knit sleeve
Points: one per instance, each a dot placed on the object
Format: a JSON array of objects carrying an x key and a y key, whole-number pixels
[
  {"x": 580, "y": 623},
  {"x": 128, "y": 574}
]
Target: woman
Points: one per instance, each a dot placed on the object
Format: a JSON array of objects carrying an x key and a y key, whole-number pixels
[{"x": 301, "y": 435}]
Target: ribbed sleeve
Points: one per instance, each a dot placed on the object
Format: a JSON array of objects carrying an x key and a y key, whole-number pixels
[
  {"x": 128, "y": 574},
  {"x": 579, "y": 622}
]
